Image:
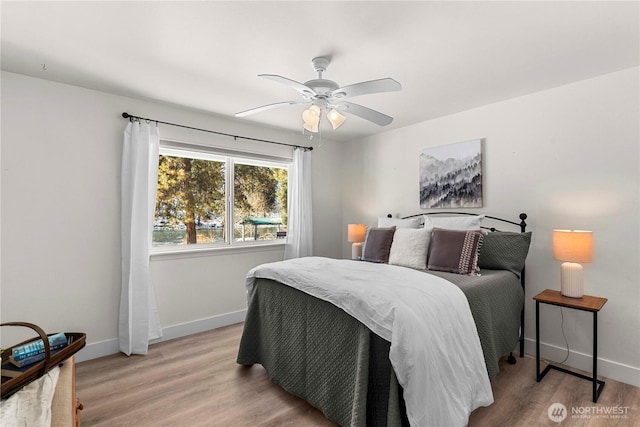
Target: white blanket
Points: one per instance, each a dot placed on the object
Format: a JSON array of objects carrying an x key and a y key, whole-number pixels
[{"x": 435, "y": 349}]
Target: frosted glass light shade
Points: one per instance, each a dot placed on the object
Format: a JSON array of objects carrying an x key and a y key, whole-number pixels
[
  {"x": 311, "y": 118},
  {"x": 310, "y": 128},
  {"x": 336, "y": 119}
]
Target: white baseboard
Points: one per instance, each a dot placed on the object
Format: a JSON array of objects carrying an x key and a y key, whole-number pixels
[
  {"x": 109, "y": 347},
  {"x": 606, "y": 368}
]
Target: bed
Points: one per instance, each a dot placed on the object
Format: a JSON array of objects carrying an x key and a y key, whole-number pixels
[{"x": 342, "y": 346}]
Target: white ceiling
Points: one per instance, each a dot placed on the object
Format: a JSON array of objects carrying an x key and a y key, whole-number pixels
[{"x": 448, "y": 56}]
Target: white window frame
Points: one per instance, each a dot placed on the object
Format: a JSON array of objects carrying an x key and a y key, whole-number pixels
[{"x": 230, "y": 157}]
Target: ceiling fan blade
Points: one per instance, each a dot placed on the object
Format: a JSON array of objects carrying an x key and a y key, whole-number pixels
[
  {"x": 267, "y": 107},
  {"x": 305, "y": 90},
  {"x": 364, "y": 112},
  {"x": 366, "y": 88}
]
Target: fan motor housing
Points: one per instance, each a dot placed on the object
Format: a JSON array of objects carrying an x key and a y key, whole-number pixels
[{"x": 322, "y": 86}]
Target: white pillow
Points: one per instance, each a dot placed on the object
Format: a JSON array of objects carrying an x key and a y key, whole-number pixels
[
  {"x": 384, "y": 221},
  {"x": 471, "y": 222},
  {"x": 410, "y": 247}
]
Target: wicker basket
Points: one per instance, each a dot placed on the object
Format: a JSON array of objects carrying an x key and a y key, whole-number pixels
[{"x": 16, "y": 378}]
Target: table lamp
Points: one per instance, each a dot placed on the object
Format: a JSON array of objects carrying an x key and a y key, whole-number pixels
[
  {"x": 356, "y": 234},
  {"x": 572, "y": 247}
]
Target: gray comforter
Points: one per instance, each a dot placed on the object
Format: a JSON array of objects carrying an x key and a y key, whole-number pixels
[
  {"x": 318, "y": 352},
  {"x": 496, "y": 299}
]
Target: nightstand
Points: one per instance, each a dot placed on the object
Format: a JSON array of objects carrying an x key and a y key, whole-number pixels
[{"x": 586, "y": 303}]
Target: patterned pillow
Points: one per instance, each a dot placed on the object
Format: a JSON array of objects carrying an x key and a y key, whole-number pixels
[
  {"x": 410, "y": 247},
  {"x": 377, "y": 244},
  {"x": 504, "y": 251},
  {"x": 455, "y": 251}
]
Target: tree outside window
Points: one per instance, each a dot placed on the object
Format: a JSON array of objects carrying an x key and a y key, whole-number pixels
[{"x": 191, "y": 199}]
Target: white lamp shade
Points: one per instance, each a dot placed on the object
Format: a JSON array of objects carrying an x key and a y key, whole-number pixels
[
  {"x": 573, "y": 245},
  {"x": 356, "y": 233}
]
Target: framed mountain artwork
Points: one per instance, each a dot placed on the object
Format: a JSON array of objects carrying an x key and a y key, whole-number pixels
[{"x": 451, "y": 176}]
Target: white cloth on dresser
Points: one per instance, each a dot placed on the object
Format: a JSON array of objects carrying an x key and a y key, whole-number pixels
[{"x": 31, "y": 405}]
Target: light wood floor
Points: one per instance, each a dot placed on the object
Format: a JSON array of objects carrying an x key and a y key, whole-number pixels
[{"x": 194, "y": 381}]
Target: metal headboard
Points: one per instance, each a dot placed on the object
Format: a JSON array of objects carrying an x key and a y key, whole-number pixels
[{"x": 522, "y": 224}]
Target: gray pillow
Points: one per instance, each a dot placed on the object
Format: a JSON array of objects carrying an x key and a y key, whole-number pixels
[
  {"x": 377, "y": 244},
  {"x": 503, "y": 250},
  {"x": 455, "y": 251}
]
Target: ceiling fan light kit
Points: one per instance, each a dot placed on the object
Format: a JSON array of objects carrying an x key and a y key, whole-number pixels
[{"x": 327, "y": 96}]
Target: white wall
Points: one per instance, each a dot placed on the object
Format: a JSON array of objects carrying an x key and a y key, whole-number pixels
[
  {"x": 569, "y": 158},
  {"x": 61, "y": 154}
]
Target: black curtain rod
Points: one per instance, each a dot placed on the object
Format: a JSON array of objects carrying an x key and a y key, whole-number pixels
[{"x": 131, "y": 117}]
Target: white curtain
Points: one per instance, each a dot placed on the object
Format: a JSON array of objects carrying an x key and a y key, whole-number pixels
[
  {"x": 139, "y": 320},
  {"x": 300, "y": 225}
]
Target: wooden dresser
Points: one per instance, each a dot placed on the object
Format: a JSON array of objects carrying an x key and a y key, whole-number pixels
[{"x": 66, "y": 407}]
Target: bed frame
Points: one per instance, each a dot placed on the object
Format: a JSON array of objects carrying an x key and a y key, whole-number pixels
[
  {"x": 523, "y": 225},
  {"x": 380, "y": 392}
]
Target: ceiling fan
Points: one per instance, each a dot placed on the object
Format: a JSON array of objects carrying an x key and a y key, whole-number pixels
[{"x": 327, "y": 96}]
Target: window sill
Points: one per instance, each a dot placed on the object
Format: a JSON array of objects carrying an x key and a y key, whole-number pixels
[{"x": 175, "y": 253}]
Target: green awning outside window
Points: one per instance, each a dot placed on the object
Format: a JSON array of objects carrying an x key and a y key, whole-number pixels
[{"x": 261, "y": 221}]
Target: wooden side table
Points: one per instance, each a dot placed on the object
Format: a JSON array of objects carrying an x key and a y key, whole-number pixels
[{"x": 586, "y": 303}]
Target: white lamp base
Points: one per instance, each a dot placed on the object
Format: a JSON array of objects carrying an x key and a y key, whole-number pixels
[
  {"x": 571, "y": 280},
  {"x": 356, "y": 251}
]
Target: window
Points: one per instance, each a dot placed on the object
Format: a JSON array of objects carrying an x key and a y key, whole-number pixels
[{"x": 209, "y": 198}]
